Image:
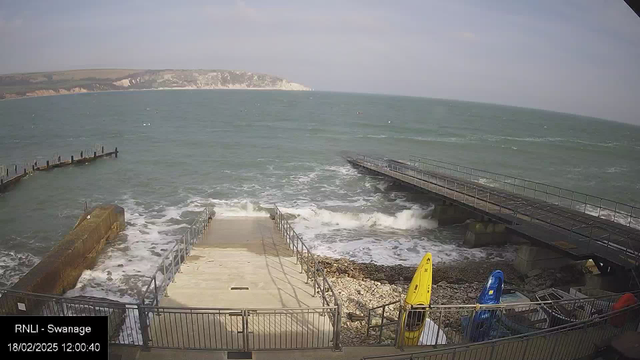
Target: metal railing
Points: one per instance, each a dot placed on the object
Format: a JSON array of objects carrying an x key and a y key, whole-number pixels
[
  {"x": 124, "y": 318},
  {"x": 314, "y": 272},
  {"x": 171, "y": 261},
  {"x": 460, "y": 324},
  {"x": 481, "y": 197},
  {"x": 569, "y": 341},
  {"x": 382, "y": 323},
  {"x": 588, "y": 204},
  {"x": 241, "y": 329}
]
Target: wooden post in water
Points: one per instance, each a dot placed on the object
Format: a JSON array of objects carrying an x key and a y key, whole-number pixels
[
  {"x": 47, "y": 164},
  {"x": 72, "y": 159},
  {"x": 116, "y": 151},
  {"x": 81, "y": 155},
  {"x": 33, "y": 167},
  {"x": 103, "y": 149},
  {"x": 58, "y": 158},
  {"x": 94, "y": 154},
  {"x": 16, "y": 169}
]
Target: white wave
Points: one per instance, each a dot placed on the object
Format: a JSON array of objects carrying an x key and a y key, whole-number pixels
[
  {"x": 305, "y": 178},
  {"x": 235, "y": 208},
  {"x": 313, "y": 221},
  {"x": 372, "y": 136},
  {"x": 15, "y": 264},
  {"x": 620, "y": 217},
  {"x": 489, "y": 182},
  {"x": 437, "y": 139},
  {"x": 345, "y": 170},
  {"x": 408, "y": 251},
  {"x": 123, "y": 269},
  {"x": 615, "y": 169},
  {"x": 356, "y": 202},
  {"x": 546, "y": 139}
]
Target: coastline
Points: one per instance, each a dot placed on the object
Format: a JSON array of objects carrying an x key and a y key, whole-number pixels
[{"x": 135, "y": 90}]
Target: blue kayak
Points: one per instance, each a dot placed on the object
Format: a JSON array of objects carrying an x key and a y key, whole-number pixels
[
  {"x": 492, "y": 290},
  {"x": 484, "y": 322}
]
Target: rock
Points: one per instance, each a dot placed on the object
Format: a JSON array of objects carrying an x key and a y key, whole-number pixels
[{"x": 534, "y": 272}]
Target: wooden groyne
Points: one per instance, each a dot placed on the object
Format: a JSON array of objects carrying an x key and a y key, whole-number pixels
[{"x": 7, "y": 181}]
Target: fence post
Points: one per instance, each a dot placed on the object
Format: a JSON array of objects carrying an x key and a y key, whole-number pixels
[
  {"x": 336, "y": 328},
  {"x": 315, "y": 276},
  {"x": 144, "y": 328},
  {"x": 400, "y": 328},
  {"x": 155, "y": 289},
  {"x": 245, "y": 330}
]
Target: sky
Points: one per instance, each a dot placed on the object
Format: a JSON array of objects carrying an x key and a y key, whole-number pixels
[{"x": 576, "y": 56}]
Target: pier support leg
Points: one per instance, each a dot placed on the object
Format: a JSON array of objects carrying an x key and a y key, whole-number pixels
[
  {"x": 485, "y": 234},
  {"x": 531, "y": 257},
  {"x": 448, "y": 214}
]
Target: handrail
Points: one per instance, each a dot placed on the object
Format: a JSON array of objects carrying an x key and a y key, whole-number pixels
[
  {"x": 482, "y": 189},
  {"x": 561, "y": 328},
  {"x": 309, "y": 265},
  {"x": 572, "y": 199},
  {"x": 181, "y": 248},
  {"x": 33, "y": 295}
]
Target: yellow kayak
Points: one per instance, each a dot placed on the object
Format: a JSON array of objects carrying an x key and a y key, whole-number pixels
[{"x": 419, "y": 293}]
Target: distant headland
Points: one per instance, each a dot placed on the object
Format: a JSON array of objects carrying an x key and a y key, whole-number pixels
[{"x": 78, "y": 81}]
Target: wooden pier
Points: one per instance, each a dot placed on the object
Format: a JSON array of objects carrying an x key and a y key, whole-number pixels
[{"x": 10, "y": 176}]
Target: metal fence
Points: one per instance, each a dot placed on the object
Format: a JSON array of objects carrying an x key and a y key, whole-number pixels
[
  {"x": 314, "y": 272},
  {"x": 589, "y": 204},
  {"x": 569, "y": 341},
  {"x": 393, "y": 324},
  {"x": 241, "y": 329},
  {"x": 499, "y": 204},
  {"x": 124, "y": 318},
  {"x": 171, "y": 261}
]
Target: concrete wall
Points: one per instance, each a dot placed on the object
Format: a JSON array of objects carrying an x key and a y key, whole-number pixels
[
  {"x": 532, "y": 257},
  {"x": 449, "y": 214},
  {"x": 60, "y": 269},
  {"x": 485, "y": 234}
]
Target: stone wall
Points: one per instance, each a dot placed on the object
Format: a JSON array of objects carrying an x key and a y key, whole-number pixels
[{"x": 61, "y": 268}]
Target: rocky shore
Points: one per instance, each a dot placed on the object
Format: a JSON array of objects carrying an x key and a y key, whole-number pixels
[{"x": 362, "y": 286}]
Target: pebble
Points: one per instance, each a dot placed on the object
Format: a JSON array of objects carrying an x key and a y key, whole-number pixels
[{"x": 363, "y": 286}]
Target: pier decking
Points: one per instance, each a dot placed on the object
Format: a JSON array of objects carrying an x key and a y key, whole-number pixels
[{"x": 529, "y": 210}]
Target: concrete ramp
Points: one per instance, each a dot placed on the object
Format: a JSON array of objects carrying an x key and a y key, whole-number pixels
[
  {"x": 241, "y": 288},
  {"x": 241, "y": 263}
]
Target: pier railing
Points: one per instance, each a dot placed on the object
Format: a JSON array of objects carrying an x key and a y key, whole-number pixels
[
  {"x": 492, "y": 201},
  {"x": 314, "y": 272},
  {"x": 171, "y": 261},
  {"x": 588, "y": 204},
  {"x": 573, "y": 340},
  {"x": 449, "y": 325}
]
